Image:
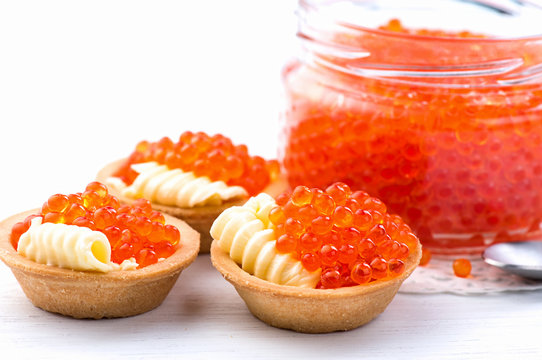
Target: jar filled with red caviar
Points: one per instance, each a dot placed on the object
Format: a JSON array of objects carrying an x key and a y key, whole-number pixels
[{"x": 433, "y": 106}]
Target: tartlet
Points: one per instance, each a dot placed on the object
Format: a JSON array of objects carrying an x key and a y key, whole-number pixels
[
  {"x": 314, "y": 261},
  {"x": 199, "y": 217},
  {"x": 84, "y": 294},
  {"x": 311, "y": 310}
]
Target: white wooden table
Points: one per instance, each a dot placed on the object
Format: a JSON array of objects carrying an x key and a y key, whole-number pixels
[
  {"x": 82, "y": 82},
  {"x": 203, "y": 317}
]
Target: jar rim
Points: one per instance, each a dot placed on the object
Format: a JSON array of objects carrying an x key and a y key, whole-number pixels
[
  {"x": 360, "y": 50},
  {"x": 316, "y": 5}
]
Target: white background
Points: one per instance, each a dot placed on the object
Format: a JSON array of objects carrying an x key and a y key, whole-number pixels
[{"x": 82, "y": 81}]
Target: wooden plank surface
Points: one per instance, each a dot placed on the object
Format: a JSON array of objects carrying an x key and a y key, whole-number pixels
[{"x": 203, "y": 316}]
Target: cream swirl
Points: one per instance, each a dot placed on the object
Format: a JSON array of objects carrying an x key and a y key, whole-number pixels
[
  {"x": 174, "y": 187},
  {"x": 246, "y": 233},
  {"x": 69, "y": 246}
]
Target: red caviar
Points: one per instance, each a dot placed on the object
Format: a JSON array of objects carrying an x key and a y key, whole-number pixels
[
  {"x": 133, "y": 231},
  {"x": 462, "y": 267},
  {"x": 321, "y": 230},
  {"x": 426, "y": 257},
  {"x": 395, "y": 25},
  {"x": 213, "y": 156},
  {"x": 456, "y": 156}
]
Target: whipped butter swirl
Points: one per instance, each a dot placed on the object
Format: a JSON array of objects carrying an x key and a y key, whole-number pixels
[
  {"x": 69, "y": 246},
  {"x": 246, "y": 233},
  {"x": 174, "y": 187}
]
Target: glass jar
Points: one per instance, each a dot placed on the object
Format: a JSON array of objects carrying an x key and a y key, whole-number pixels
[{"x": 438, "y": 116}]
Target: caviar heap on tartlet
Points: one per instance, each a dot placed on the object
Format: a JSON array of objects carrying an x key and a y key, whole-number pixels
[
  {"x": 314, "y": 260},
  {"x": 194, "y": 179},
  {"x": 87, "y": 256}
]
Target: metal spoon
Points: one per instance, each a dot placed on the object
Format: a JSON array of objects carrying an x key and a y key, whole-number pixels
[{"x": 523, "y": 258}]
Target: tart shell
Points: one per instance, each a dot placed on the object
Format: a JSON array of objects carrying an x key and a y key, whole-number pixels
[
  {"x": 85, "y": 294},
  {"x": 311, "y": 310},
  {"x": 199, "y": 218}
]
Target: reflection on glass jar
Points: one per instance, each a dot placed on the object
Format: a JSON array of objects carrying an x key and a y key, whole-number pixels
[{"x": 440, "y": 119}]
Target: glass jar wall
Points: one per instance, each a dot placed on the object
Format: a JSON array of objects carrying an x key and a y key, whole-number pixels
[{"x": 439, "y": 118}]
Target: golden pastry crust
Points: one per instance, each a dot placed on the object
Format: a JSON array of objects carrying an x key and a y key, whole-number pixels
[
  {"x": 200, "y": 218},
  {"x": 83, "y": 294},
  {"x": 311, "y": 310}
]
